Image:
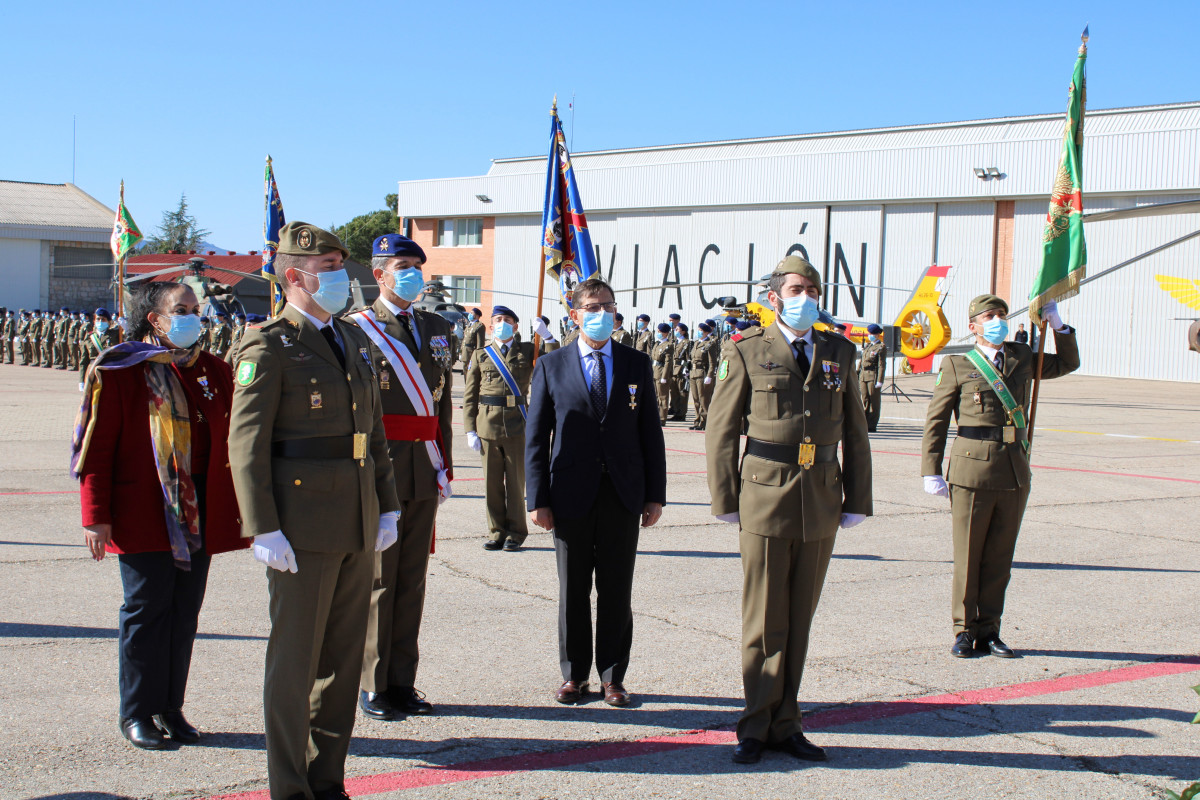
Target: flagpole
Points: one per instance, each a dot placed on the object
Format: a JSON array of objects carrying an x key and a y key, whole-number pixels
[
  {"x": 541, "y": 266},
  {"x": 121, "y": 276}
]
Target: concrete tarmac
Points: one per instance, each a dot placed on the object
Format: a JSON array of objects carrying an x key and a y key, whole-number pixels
[{"x": 1102, "y": 607}]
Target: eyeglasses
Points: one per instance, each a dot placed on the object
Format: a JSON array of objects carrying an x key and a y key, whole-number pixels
[{"x": 592, "y": 308}]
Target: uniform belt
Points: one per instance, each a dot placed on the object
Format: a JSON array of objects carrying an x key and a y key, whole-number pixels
[
  {"x": 505, "y": 401},
  {"x": 410, "y": 428},
  {"x": 993, "y": 433},
  {"x": 804, "y": 454},
  {"x": 353, "y": 446}
]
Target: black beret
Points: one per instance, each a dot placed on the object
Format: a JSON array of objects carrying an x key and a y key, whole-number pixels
[
  {"x": 392, "y": 245},
  {"x": 620, "y": 317}
]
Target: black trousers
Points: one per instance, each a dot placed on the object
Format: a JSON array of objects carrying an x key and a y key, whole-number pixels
[
  {"x": 158, "y": 623},
  {"x": 602, "y": 543}
]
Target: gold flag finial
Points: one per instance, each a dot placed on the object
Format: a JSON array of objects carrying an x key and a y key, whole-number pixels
[{"x": 554, "y": 105}]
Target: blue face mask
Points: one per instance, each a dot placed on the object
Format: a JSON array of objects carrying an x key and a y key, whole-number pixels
[
  {"x": 408, "y": 283},
  {"x": 660, "y": 336},
  {"x": 680, "y": 335},
  {"x": 995, "y": 330},
  {"x": 185, "y": 330},
  {"x": 102, "y": 326},
  {"x": 502, "y": 331},
  {"x": 799, "y": 312},
  {"x": 641, "y": 326},
  {"x": 598, "y": 325},
  {"x": 333, "y": 289}
]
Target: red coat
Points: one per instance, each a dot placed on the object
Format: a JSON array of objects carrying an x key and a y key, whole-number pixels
[{"x": 119, "y": 480}]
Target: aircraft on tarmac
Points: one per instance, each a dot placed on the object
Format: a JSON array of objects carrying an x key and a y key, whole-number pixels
[{"x": 213, "y": 295}]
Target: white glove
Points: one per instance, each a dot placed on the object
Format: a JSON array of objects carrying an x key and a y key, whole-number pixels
[
  {"x": 1049, "y": 313},
  {"x": 274, "y": 550},
  {"x": 473, "y": 440},
  {"x": 388, "y": 534},
  {"x": 879, "y": 384},
  {"x": 81, "y": 387},
  {"x": 542, "y": 330},
  {"x": 936, "y": 485},
  {"x": 735, "y": 518},
  {"x": 664, "y": 380},
  {"x": 707, "y": 379},
  {"x": 850, "y": 520}
]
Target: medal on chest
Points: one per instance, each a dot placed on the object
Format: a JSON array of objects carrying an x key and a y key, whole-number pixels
[
  {"x": 633, "y": 396},
  {"x": 203, "y": 381},
  {"x": 441, "y": 350},
  {"x": 385, "y": 379},
  {"x": 832, "y": 379}
]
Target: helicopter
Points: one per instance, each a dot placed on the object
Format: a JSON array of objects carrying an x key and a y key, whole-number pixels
[{"x": 213, "y": 295}]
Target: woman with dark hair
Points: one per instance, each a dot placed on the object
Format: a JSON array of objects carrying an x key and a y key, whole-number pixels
[{"x": 151, "y": 456}]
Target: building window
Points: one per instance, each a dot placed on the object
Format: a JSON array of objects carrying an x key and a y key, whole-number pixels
[
  {"x": 460, "y": 232},
  {"x": 469, "y": 288}
]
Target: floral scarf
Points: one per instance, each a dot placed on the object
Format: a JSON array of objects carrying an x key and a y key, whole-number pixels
[{"x": 170, "y": 434}]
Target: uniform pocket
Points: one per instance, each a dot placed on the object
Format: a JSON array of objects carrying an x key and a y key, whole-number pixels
[
  {"x": 303, "y": 386},
  {"x": 763, "y": 472},
  {"x": 766, "y": 401}
]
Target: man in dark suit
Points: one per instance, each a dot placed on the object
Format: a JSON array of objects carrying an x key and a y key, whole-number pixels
[{"x": 595, "y": 467}]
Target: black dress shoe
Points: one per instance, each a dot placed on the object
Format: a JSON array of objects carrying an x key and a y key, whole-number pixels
[
  {"x": 175, "y": 725},
  {"x": 142, "y": 732},
  {"x": 511, "y": 546},
  {"x": 492, "y": 544},
  {"x": 409, "y": 700},
  {"x": 748, "y": 751},
  {"x": 377, "y": 705},
  {"x": 962, "y": 646},
  {"x": 331, "y": 794},
  {"x": 798, "y": 746},
  {"x": 992, "y": 644}
]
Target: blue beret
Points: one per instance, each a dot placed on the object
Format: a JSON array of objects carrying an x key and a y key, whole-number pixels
[
  {"x": 682, "y": 327},
  {"x": 477, "y": 312},
  {"x": 873, "y": 328},
  {"x": 222, "y": 314},
  {"x": 675, "y": 317},
  {"x": 731, "y": 318},
  {"x": 64, "y": 308},
  {"x": 711, "y": 321},
  {"x": 103, "y": 312},
  {"x": 505, "y": 310},
  {"x": 644, "y": 317},
  {"x": 664, "y": 327},
  {"x": 393, "y": 244},
  {"x": 743, "y": 325},
  {"x": 620, "y": 317},
  {"x": 704, "y": 326}
]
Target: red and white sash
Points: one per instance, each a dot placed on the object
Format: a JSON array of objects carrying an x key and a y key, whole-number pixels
[{"x": 412, "y": 380}]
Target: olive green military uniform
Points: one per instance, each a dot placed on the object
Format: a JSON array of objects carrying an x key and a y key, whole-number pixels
[
  {"x": 8, "y": 329},
  {"x": 398, "y": 597},
  {"x": 622, "y": 336},
  {"x": 474, "y": 337},
  {"x": 49, "y": 341},
  {"x": 789, "y": 514},
  {"x": 62, "y": 329},
  {"x": 989, "y": 478},
  {"x": 570, "y": 338},
  {"x": 679, "y": 378},
  {"x": 872, "y": 366},
  {"x": 491, "y": 410},
  {"x": 704, "y": 366},
  {"x": 644, "y": 341},
  {"x": 662, "y": 357},
  {"x": 298, "y": 416},
  {"x": 78, "y": 332},
  {"x": 235, "y": 339},
  {"x": 219, "y": 338},
  {"x": 24, "y": 326},
  {"x": 95, "y": 344}
]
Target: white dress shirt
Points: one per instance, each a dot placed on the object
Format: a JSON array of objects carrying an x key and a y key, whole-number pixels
[
  {"x": 588, "y": 364},
  {"x": 412, "y": 318}
]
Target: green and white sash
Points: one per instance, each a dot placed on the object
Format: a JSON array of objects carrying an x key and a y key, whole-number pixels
[{"x": 1016, "y": 414}]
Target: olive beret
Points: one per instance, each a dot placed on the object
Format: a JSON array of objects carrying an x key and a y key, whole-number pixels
[
  {"x": 303, "y": 239},
  {"x": 798, "y": 266},
  {"x": 985, "y": 302}
]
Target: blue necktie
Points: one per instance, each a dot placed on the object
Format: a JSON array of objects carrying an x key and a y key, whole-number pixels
[{"x": 599, "y": 398}]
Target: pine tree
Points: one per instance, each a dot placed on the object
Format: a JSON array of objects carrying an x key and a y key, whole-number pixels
[{"x": 178, "y": 231}]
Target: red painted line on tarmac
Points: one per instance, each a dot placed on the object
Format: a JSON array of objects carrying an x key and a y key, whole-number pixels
[
  {"x": 421, "y": 777},
  {"x": 9, "y": 494}
]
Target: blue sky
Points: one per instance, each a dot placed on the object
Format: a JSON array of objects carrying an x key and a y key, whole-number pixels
[{"x": 350, "y": 98}]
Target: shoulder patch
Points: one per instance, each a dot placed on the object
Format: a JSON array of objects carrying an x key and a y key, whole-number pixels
[
  {"x": 723, "y": 370},
  {"x": 939, "y": 379},
  {"x": 245, "y": 372}
]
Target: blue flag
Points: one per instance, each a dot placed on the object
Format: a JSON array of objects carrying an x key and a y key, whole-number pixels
[
  {"x": 566, "y": 243},
  {"x": 272, "y": 222}
]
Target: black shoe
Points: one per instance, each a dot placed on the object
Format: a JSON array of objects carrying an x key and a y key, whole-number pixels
[
  {"x": 175, "y": 725},
  {"x": 142, "y": 732},
  {"x": 748, "y": 751},
  {"x": 331, "y": 794},
  {"x": 992, "y": 644},
  {"x": 962, "y": 646},
  {"x": 512, "y": 546},
  {"x": 378, "y": 705},
  {"x": 870, "y": 429},
  {"x": 409, "y": 700},
  {"x": 799, "y": 747},
  {"x": 492, "y": 544}
]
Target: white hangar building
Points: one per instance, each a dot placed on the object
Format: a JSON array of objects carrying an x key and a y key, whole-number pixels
[{"x": 869, "y": 207}]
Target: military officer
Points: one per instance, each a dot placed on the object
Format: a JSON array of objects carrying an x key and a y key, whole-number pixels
[
  {"x": 643, "y": 339},
  {"x": 704, "y": 369},
  {"x": 871, "y": 369},
  {"x": 102, "y": 336},
  {"x": 662, "y": 359},
  {"x": 315, "y": 489},
  {"x": 8, "y": 330},
  {"x": 235, "y": 337},
  {"x": 46, "y": 340},
  {"x": 412, "y": 355},
  {"x": 572, "y": 332},
  {"x": 679, "y": 376},
  {"x": 494, "y": 420},
  {"x": 619, "y": 334},
  {"x": 24, "y": 328},
  {"x": 791, "y": 388},
  {"x": 474, "y": 337},
  {"x": 62, "y": 324},
  {"x": 988, "y": 478},
  {"x": 219, "y": 335}
]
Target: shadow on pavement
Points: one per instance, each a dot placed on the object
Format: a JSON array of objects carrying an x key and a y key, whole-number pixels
[
  {"x": 82, "y": 796},
  {"x": 49, "y": 544},
  {"x": 30, "y": 630}
]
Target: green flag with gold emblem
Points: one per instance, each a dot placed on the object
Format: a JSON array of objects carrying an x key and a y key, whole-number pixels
[{"x": 1064, "y": 253}]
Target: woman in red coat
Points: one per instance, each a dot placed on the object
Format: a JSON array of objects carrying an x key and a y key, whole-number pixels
[{"x": 151, "y": 454}]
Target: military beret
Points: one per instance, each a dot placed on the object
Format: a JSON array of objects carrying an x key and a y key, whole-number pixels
[
  {"x": 731, "y": 318},
  {"x": 392, "y": 245},
  {"x": 683, "y": 328},
  {"x": 798, "y": 266},
  {"x": 664, "y": 327},
  {"x": 103, "y": 312},
  {"x": 644, "y": 317},
  {"x": 743, "y": 325},
  {"x": 303, "y": 239},
  {"x": 985, "y": 302},
  {"x": 873, "y": 328},
  {"x": 545, "y": 320},
  {"x": 477, "y": 312},
  {"x": 620, "y": 317},
  {"x": 239, "y": 315},
  {"x": 222, "y": 314},
  {"x": 505, "y": 310},
  {"x": 64, "y": 308},
  {"x": 675, "y": 317},
  {"x": 704, "y": 326}
]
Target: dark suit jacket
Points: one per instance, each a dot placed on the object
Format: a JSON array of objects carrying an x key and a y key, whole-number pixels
[{"x": 566, "y": 443}]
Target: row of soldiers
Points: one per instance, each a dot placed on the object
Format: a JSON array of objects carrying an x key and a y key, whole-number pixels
[{"x": 68, "y": 340}]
